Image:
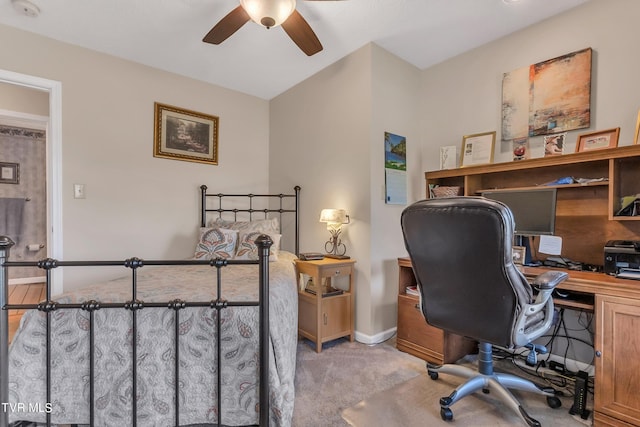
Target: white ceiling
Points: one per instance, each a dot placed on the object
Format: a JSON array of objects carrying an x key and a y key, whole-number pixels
[{"x": 167, "y": 34}]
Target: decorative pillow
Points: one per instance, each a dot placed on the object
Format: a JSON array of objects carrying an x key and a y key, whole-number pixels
[
  {"x": 269, "y": 226},
  {"x": 216, "y": 243},
  {"x": 247, "y": 248}
]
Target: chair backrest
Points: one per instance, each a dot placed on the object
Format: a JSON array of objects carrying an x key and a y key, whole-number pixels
[{"x": 461, "y": 252}]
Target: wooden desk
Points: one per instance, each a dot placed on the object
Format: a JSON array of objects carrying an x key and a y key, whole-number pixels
[
  {"x": 617, "y": 339},
  {"x": 617, "y": 343}
]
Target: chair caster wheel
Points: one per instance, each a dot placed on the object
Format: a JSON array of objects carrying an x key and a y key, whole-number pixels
[
  {"x": 433, "y": 375},
  {"x": 446, "y": 414},
  {"x": 554, "y": 402}
]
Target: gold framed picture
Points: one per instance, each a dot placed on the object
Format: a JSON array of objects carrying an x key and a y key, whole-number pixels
[
  {"x": 185, "y": 135},
  {"x": 598, "y": 140},
  {"x": 477, "y": 149}
]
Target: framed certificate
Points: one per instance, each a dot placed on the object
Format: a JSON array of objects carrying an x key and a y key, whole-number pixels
[{"x": 477, "y": 149}]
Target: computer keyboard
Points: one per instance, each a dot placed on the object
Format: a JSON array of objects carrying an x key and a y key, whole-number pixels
[{"x": 560, "y": 262}]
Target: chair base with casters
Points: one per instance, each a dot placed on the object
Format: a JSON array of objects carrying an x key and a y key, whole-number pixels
[{"x": 487, "y": 380}]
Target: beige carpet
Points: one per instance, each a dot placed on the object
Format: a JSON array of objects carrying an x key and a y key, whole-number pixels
[
  {"x": 353, "y": 384},
  {"x": 415, "y": 403},
  {"x": 342, "y": 375}
]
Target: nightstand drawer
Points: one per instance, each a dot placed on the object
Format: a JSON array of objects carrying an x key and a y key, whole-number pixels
[{"x": 343, "y": 270}]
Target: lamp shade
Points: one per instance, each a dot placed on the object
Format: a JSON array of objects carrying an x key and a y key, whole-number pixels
[
  {"x": 338, "y": 216},
  {"x": 269, "y": 13}
]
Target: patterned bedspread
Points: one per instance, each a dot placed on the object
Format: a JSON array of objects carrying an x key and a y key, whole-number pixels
[{"x": 155, "y": 355}]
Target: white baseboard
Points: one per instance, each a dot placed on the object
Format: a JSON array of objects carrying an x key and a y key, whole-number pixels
[
  {"x": 377, "y": 338},
  {"x": 27, "y": 280}
]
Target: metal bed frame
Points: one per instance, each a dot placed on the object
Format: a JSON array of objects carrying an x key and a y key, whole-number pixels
[{"x": 134, "y": 305}]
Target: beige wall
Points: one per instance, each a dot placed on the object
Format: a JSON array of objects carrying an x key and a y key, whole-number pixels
[
  {"x": 136, "y": 205},
  {"x": 463, "y": 95},
  {"x": 395, "y": 110},
  {"x": 328, "y": 131},
  {"x": 24, "y": 100},
  {"x": 320, "y": 138}
]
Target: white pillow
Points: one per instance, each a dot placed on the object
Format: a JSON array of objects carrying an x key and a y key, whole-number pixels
[
  {"x": 269, "y": 226},
  {"x": 216, "y": 243},
  {"x": 247, "y": 248}
]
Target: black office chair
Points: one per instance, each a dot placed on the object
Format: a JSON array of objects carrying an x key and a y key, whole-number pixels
[{"x": 460, "y": 248}]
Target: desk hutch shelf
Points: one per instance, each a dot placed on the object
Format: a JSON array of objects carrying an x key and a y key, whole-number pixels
[{"x": 585, "y": 214}]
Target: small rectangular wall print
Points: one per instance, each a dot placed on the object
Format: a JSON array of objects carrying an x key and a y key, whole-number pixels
[
  {"x": 395, "y": 169},
  {"x": 9, "y": 173}
]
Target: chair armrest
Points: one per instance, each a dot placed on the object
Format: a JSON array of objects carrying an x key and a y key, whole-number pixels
[
  {"x": 545, "y": 283},
  {"x": 549, "y": 279}
]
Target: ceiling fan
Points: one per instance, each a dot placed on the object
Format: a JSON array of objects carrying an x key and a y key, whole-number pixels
[{"x": 268, "y": 13}]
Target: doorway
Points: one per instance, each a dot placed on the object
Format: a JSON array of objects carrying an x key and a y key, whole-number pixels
[
  {"x": 53, "y": 163},
  {"x": 23, "y": 185}
]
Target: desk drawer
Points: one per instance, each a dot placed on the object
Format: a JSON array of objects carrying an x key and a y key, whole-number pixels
[{"x": 414, "y": 328}]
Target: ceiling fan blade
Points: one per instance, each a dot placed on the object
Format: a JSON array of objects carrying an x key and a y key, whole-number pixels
[
  {"x": 301, "y": 33},
  {"x": 227, "y": 26}
]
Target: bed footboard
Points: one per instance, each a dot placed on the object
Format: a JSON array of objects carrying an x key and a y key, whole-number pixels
[{"x": 134, "y": 305}]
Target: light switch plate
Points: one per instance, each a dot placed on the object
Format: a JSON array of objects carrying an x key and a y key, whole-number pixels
[{"x": 78, "y": 191}]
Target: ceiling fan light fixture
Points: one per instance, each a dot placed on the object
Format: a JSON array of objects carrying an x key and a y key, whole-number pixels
[{"x": 269, "y": 13}]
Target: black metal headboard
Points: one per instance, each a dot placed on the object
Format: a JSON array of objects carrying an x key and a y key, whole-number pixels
[{"x": 249, "y": 207}]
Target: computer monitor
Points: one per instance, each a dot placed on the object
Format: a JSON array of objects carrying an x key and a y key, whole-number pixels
[{"x": 534, "y": 210}]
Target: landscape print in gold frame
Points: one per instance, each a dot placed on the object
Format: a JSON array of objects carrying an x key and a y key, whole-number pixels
[
  {"x": 185, "y": 135},
  {"x": 598, "y": 140}
]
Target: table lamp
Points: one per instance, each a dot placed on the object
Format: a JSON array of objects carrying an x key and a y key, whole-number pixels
[{"x": 334, "y": 219}]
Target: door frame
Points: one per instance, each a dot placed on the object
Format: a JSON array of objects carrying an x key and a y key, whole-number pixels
[{"x": 54, "y": 163}]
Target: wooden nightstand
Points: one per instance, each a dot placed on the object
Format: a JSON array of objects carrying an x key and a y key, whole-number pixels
[{"x": 325, "y": 318}]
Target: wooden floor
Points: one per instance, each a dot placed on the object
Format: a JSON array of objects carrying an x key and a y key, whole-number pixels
[{"x": 23, "y": 294}]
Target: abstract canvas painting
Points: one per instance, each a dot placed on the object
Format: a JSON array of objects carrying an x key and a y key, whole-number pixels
[{"x": 560, "y": 94}]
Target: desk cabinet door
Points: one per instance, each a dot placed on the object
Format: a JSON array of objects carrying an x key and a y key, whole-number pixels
[{"x": 617, "y": 384}]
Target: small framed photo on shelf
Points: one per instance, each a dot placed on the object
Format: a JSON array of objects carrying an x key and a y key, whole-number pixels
[
  {"x": 449, "y": 157},
  {"x": 518, "y": 253},
  {"x": 477, "y": 149},
  {"x": 521, "y": 149},
  {"x": 554, "y": 144},
  {"x": 9, "y": 173},
  {"x": 598, "y": 140}
]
